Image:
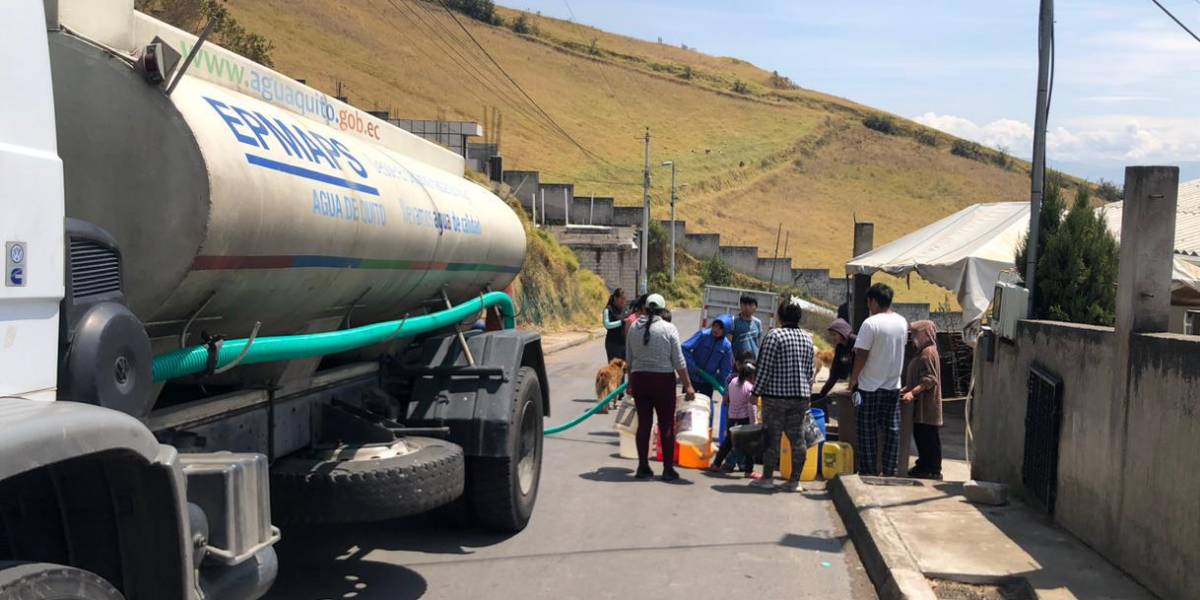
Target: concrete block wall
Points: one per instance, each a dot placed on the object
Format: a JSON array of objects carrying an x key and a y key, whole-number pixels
[
  {"x": 524, "y": 185},
  {"x": 1126, "y": 479},
  {"x": 821, "y": 285},
  {"x": 703, "y": 246},
  {"x": 680, "y": 230},
  {"x": 592, "y": 210},
  {"x": 743, "y": 259},
  {"x": 912, "y": 311},
  {"x": 627, "y": 215},
  {"x": 554, "y": 198},
  {"x": 779, "y": 268}
]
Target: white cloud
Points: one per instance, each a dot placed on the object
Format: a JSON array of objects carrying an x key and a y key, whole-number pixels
[{"x": 1092, "y": 139}]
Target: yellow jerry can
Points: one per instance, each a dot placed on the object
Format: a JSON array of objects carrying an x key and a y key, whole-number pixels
[
  {"x": 837, "y": 458},
  {"x": 811, "y": 461}
]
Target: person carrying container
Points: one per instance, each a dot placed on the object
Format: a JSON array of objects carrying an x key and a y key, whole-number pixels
[
  {"x": 742, "y": 411},
  {"x": 655, "y": 359},
  {"x": 709, "y": 350},
  {"x": 841, "y": 335},
  {"x": 747, "y": 330},
  {"x": 614, "y": 325}
]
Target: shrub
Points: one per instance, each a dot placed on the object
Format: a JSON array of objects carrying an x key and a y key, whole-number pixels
[
  {"x": 967, "y": 149},
  {"x": 880, "y": 123},
  {"x": 687, "y": 72},
  {"x": 1109, "y": 191},
  {"x": 658, "y": 250},
  {"x": 480, "y": 10},
  {"x": 714, "y": 271},
  {"x": 1001, "y": 158},
  {"x": 593, "y": 49},
  {"x": 780, "y": 82},
  {"x": 740, "y": 87},
  {"x": 521, "y": 24},
  {"x": 926, "y": 137}
]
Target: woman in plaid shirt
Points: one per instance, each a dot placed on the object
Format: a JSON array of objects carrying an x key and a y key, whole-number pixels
[{"x": 785, "y": 372}]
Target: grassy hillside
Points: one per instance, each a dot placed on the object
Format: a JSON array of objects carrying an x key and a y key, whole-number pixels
[{"x": 753, "y": 150}]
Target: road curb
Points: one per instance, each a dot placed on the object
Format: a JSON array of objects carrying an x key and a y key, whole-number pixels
[
  {"x": 889, "y": 564},
  {"x": 591, "y": 335}
]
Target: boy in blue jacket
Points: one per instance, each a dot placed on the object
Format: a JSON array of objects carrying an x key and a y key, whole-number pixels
[{"x": 709, "y": 349}]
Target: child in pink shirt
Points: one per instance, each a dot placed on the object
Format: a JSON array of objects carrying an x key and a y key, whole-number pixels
[{"x": 742, "y": 411}]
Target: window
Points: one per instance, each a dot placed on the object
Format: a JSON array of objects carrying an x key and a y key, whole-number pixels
[{"x": 1191, "y": 322}]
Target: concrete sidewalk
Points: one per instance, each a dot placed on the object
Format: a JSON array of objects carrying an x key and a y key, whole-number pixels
[{"x": 922, "y": 539}]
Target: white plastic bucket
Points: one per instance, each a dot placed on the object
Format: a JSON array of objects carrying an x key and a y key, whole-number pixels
[
  {"x": 628, "y": 447},
  {"x": 692, "y": 420}
]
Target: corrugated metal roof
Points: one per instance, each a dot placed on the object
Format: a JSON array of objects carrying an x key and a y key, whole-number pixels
[{"x": 1187, "y": 218}]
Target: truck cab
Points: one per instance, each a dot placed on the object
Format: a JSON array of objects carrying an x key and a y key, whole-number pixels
[{"x": 232, "y": 306}]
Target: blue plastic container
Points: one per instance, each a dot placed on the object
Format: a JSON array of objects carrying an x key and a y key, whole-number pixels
[{"x": 819, "y": 417}]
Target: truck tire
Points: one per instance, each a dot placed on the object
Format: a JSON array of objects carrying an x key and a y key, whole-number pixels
[
  {"x": 46, "y": 581},
  {"x": 501, "y": 491},
  {"x": 315, "y": 488}
]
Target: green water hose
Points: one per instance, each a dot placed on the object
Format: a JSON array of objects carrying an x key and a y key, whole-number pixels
[
  {"x": 194, "y": 359},
  {"x": 591, "y": 411},
  {"x": 609, "y": 398}
]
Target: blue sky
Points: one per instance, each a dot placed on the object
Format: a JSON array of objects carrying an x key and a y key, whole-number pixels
[{"x": 1127, "y": 80}]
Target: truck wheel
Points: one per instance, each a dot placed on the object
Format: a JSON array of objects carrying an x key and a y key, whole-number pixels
[
  {"x": 369, "y": 482},
  {"x": 501, "y": 491},
  {"x": 45, "y": 581}
]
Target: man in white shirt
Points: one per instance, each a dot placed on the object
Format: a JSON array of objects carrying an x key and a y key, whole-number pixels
[{"x": 878, "y": 361}]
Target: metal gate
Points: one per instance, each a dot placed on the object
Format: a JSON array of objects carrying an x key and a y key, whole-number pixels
[{"x": 1043, "y": 429}]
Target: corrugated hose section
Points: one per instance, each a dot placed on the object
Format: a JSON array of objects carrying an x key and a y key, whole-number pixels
[{"x": 194, "y": 359}]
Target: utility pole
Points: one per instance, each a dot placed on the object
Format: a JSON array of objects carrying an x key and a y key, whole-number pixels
[
  {"x": 643, "y": 277},
  {"x": 775, "y": 256},
  {"x": 672, "y": 165},
  {"x": 1038, "y": 172}
]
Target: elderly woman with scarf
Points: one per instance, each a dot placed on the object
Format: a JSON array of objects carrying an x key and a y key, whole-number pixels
[{"x": 923, "y": 388}]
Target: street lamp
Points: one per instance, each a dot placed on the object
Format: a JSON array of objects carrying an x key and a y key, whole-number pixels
[{"x": 671, "y": 164}]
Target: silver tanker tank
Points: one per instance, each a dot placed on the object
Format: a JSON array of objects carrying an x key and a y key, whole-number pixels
[{"x": 234, "y": 203}]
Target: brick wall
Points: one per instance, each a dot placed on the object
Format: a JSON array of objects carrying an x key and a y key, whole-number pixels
[{"x": 616, "y": 265}]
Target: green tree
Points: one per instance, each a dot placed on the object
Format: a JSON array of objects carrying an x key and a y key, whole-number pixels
[
  {"x": 658, "y": 257},
  {"x": 193, "y": 15},
  {"x": 1077, "y": 267},
  {"x": 714, "y": 271},
  {"x": 1051, "y": 217}
]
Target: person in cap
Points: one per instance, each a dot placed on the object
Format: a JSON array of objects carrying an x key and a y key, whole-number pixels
[
  {"x": 841, "y": 335},
  {"x": 708, "y": 350},
  {"x": 655, "y": 359},
  {"x": 742, "y": 411}
]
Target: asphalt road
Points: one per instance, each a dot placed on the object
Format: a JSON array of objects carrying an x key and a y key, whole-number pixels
[{"x": 596, "y": 532}]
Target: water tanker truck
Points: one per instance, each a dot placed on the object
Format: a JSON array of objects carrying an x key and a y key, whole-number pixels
[{"x": 233, "y": 305}]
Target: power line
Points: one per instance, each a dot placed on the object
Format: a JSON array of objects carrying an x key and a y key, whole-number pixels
[
  {"x": 489, "y": 56},
  {"x": 600, "y": 68},
  {"x": 1177, "y": 21},
  {"x": 462, "y": 63}
]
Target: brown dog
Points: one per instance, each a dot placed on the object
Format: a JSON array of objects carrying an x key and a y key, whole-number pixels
[
  {"x": 824, "y": 359},
  {"x": 609, "y": 378}
]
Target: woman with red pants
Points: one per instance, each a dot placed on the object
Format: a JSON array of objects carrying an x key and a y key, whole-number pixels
[{"x": 655, "y": 360}]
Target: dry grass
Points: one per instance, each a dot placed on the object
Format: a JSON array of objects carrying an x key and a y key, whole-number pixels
[{"x": 751, "y": 160}]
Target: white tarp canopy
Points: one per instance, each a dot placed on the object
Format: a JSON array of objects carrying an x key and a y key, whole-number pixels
[
  {"x": 964, "y": 253},
  {"x": 967, "y": 251}
]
